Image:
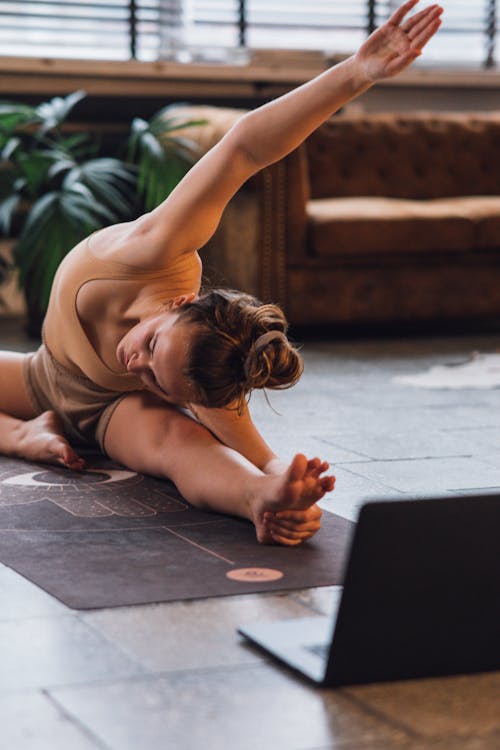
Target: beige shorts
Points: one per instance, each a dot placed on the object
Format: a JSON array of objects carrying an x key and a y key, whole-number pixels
[{"x": 83, "y": 407}]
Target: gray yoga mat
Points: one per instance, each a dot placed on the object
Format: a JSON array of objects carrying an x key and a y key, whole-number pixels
[{"x": 110, "y": 537}]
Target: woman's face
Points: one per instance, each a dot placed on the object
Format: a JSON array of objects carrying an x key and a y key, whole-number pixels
[{"x": 156, "y": 350}]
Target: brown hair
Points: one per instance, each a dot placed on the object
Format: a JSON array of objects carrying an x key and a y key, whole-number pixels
[{"x": 223, "y": 364}]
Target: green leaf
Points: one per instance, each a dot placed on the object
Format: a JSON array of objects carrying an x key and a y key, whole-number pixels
[
  {"x": 112, "y": 184},
  {"x": 137, "y": 128},
  {"x": 55, "y": 224},
  {"x": 77, "y": 209},
  {"x": 14, "y": 115},
  {"x": 7, "y": 210},
  {"x": 162, "y": 159},
  {"x": 9, "y": 179},
  {"x": 41, "y": 213},
  {"x": 34, "y": 166},
  {"x": 184, "y": 148},
  {"x": 53, "y": 113},
  {"x": 161, "y": 126},
  {"x": 9, "y": 148}
]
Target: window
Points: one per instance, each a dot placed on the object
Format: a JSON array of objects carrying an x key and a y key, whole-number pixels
[{"x": 123, "y": 29}]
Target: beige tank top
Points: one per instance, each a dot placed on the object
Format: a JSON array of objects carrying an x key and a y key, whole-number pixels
[{"x": 63, "y": 332}]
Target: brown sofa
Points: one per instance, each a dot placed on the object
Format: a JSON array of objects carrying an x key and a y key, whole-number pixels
[{"x": 376, "y": 218}]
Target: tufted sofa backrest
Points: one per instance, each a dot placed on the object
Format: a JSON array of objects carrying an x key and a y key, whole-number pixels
[{"x": 415, "y": 156}]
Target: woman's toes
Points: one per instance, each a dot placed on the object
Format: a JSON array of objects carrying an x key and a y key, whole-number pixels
[{"x": 69, "y": 458}]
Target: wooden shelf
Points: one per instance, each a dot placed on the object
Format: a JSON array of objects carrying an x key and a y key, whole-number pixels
[{"x": 50, "y": 76}]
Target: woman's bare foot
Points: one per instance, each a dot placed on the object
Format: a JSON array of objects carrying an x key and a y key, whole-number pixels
[
  {"x": 284, "y": 509},
  {"x": 43, "y": 439}
]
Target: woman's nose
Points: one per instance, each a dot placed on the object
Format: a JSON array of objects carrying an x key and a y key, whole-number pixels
[{"x": 137, "y": 362}]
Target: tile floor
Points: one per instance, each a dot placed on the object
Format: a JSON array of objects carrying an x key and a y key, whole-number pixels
[{"x": 178, "y": 676}]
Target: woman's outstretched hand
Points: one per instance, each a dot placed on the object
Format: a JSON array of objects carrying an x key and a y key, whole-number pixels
[{"x": 396, "y": 44}]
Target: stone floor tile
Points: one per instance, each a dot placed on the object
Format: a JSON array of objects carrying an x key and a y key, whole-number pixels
[
  {"x": 352, "y": 490},
  {"x": 189, "y": 635},
  {"x": 31, "y": 721},
  {"x": 312, "y": 445},
  {"x": 403, "y": 419},
  {"x": 405, "y": 444},
  {"x": 480, "y": 415},
  {"x": 492, "y": 459},
  {"x": 433, "y": 475},
  {"x": 485, "y": 436},
  {"x": 246, "y": 708},
  {"x": 453, "y": 706},
  {"x": 44, "y": 651},
  {"x": 22, "y": 598}
]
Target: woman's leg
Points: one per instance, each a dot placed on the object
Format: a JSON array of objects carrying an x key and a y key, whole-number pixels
[
  {"x": 149, "y": 436},
  {"x": 24, "y": 433}
]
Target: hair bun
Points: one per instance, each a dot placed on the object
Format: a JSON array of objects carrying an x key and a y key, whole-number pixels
[
  {"x": 258, "y": 345},
  {"x": 238, "y": 344},
  {"x": 272, "y": 362}
]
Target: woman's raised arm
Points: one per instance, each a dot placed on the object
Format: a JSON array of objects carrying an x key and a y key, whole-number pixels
[{"x": 186, "y": 220}]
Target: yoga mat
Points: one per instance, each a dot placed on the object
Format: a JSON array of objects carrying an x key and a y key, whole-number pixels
[{"x": 109, "y": 537}]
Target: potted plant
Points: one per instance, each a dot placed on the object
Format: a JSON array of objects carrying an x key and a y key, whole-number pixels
[{"x": 57, "y": 187}]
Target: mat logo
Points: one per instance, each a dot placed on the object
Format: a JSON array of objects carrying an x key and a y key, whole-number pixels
[
  {"x": 254, "y": 575},
  {"x": 96, "y": 492}
]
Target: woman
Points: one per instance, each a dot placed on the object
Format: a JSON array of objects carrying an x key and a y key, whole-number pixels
[{"x": 135, "y": 361}]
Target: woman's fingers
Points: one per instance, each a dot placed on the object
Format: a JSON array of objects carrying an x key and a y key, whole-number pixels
[
  {"x": 291, "y": 535},
  {"x": 285, "y": 541},
  {"x": 299, "y": 521},
  {"x": 291, "y": 527},
  {"x": 295, "y": 531},
  {"x": 419, "y": 21},
  {"x": 401, "y": 12},
  {"x": 421, "y": 39},
  {"x": 416, "y": 18},
  {"x": 299, "y": 526}
]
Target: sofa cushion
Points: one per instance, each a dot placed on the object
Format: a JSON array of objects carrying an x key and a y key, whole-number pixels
[
  {"x": 353, "y": 226},
  {"x": 484, "y": 212}
]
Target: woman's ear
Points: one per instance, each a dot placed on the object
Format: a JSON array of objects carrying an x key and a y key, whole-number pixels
[{"x": 182, "y": 299}]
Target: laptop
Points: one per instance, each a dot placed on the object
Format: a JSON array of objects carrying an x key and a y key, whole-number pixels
[{"x": 420, "y": 597}]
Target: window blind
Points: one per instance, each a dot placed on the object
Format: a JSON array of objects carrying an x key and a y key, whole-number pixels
[
  {"x": 124, "y": 29},
  {"x": 99, "y": 29}
]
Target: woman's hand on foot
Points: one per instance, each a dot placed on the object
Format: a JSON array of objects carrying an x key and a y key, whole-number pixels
[
  {"x": 288, "y": 507},
  {"x": 292, "y": 527}
]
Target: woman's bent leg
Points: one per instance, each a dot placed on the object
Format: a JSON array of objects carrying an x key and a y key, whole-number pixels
[
  {"x": 152, "y": 437},
  {"x": 24, "y": 432}
]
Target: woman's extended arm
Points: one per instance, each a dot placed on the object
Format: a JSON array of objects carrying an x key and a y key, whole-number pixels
[
  {"x": 238, "y": 431},
  {"x": 186, "y": 220}
]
